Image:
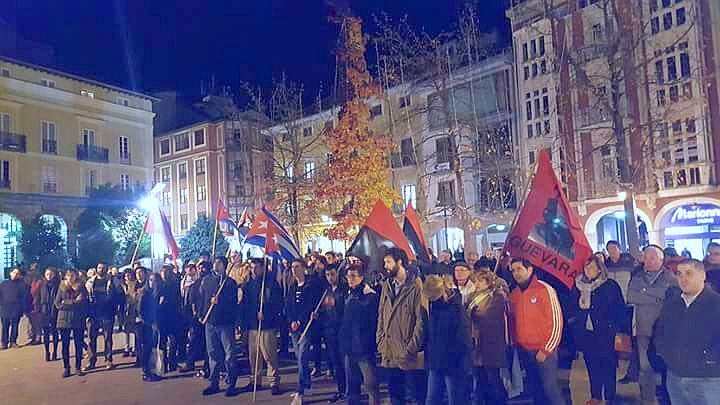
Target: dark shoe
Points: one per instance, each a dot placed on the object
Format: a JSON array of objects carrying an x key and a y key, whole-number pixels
[
  {"x": 151, "y": 377},
  {"x": 232, "y": 391},
  {"x": 337, "y": 397},
  {"x": 247, "y": 388},
  {"x": 66, "y": 373},
  {"x": 211, "y": 390},
  {"x": 3, "y": 347},
  {"x": 54, "y": 357},
  {"x": 81, "y": 372},
  {"x": 47, "y": 356},
  {"x": 275, "y": 390}
]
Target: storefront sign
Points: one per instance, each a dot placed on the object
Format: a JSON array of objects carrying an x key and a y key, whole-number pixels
[{"x": 699, "y": 214}]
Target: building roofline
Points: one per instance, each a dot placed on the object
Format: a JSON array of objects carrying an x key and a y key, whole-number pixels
[
  {"x": 189, "y": 126},
  {"x": 77, "y": 77}
]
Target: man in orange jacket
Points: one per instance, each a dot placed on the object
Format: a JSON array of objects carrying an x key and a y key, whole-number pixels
[{"x": 537, "y": 325}]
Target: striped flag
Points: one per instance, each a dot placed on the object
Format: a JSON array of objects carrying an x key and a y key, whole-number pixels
[
  {"x": 158, "y": 225},
  {"x": 280, "y": 244}
]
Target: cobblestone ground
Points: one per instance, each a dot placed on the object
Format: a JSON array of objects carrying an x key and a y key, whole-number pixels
[{"x": 25, "y": 378}]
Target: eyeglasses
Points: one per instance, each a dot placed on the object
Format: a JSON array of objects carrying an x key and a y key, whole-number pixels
[{"x": 351, "y": 275}]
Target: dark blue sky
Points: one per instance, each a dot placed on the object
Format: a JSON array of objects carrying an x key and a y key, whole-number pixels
[{"x": 151, "y": 45}]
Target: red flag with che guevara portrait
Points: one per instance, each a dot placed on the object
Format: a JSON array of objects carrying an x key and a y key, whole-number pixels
[{"x": 547, "y": 231}]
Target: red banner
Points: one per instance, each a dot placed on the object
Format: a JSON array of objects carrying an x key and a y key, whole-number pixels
[{"x": 547, "y": 231}]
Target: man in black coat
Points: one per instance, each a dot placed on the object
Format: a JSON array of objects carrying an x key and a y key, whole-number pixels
[
  {"x": 356, "y": 336},
  {"x": 269, "y": 319},
  {"x": 687, "y": 337},
  {"x": 13, "y": 300},
  {"x": 104, "y": 296},
  {"x": 169, "y": 315},
  {"x": 330, "y": 316},
  {"x": 219, "y": 298}
]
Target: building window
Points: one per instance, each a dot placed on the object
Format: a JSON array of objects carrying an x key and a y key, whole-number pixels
[
  {"x": 681, "y": 178},
  {"x": 201, "y": 192},
  {"x": 49, "y": 137},
  {"x": 376, "y": 111},
  {"x": 88, "y": 136},
  {"x": 655, "y": 25},
  {"x": 404, "y": 101},
  {"x": 90, "y": 181},
  {"x": 653, "y": 6},
  {"x": 183, "y": 222},
  {"x": 164, "y": 147},
  {"x": 660, "y": 97},
  {"x": 533, "y": 49},
  {"x": 531, "y": 157},
  {"x": 309, "y": 169},
  {"x": 199, "y": 167},
  {"x": 165, "y": 174},
  {"x": 694, "y": 175},
  {"x": 680, "y": 17},
  {"x": 543, "y": 66},
  {"x": 182, "y": 142},
  {"x": 409, "y": 195},
  {"x": 526, "y": 72},
  {"x": 672, "y": 69},
  {"x": 5, "y": 122},
  {"x": 687, "y": 90},
  {"x": 182, "y": 171},
  {"x": 237, "y": 169},
  {"x": 443, "y": 150},
  {"x": 183, "y": 195},
  {"x": 659, "y": 73},
  {"x": 166, "y": 198},
  {"x": 685, "y": 65},
  {"x": 48, "y": 83},
  {"x": 124, "y": 181},
  {"x": 407, "y": 152},
  {"x": 4, "y": 72},
  {"x": 668, "y": 179},
  {"x": 690, "y": 125},
  {"x": 4, "y": 174},
  {"x": 199, "y": 137},
  {"x": 290, "y": 172},
  {"x": 674, "y": 93},
  {"x": 307, "y": 131},
  {"x": 538, "y": 128},
  {"x": 534, "y": 69},
  {"x": 87, "y": 93},
  {"x": 547, "y": 127},
  {"x": 124, "y": 144},
  {"x": 541, "y": 44},
  {"x": 122, "y": 101},
  {"x": 446, "y": 193},
  {"x": 49, "y": 179},
  {"x": 667, "y": 21},
  {"x": 666, "y": 3},
  {"x": 528, "y": 110},
  {"x": 530, "y": 131},
  {"x": 598, "y": 33},
  {"x": 546, "y": 105},
  {"x": 525, "y": 52}
]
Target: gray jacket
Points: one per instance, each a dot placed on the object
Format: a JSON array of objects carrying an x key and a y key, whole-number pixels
[{"x": 647, "y": 295}]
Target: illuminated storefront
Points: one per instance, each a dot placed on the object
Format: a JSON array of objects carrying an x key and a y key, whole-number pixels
[{"x": 692, "y": 227}]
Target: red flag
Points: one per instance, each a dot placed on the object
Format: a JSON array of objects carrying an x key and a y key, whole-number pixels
[
  {"x": 547, "y": 231},
  {"x": 379, "y": 233},
  {"x": 271, "y": 239},
  {"x": 222, "y": 212},
  {"x": 414, "y": 234},
  {"x": 163, "y": 229}
]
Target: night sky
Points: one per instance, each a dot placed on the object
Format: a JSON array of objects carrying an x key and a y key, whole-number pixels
[{"x": 152, "y": 45}]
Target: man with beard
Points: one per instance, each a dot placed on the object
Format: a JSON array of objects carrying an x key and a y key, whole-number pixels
[
  {"x": 402, "y": 315},
  {"x": 104, "y": 297}
]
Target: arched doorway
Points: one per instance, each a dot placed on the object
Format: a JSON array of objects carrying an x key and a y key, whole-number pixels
[
  {"x": 10, "y": 230},
  {"x": 49, "y": 219},
  {"x": 611, "y": 226}
]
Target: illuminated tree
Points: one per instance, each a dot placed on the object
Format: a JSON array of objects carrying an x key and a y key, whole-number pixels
[{"x": 357, "y": 173}]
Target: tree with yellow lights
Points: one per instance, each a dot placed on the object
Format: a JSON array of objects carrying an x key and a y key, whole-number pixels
[{"x": 358, "y": 171}]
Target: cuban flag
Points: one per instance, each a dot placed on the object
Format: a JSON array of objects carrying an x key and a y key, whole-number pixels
[
  {"x": 228, "y": 228},
  {"x": 268, "y": 233}
]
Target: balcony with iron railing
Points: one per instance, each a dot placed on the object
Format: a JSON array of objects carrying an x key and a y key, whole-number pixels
[
  {"x": 92, "y": 153},
  {"x": 12, "y": 142},
  {"x": 125, "y": 158},
  {"x": 49, "y": 146},
  {"x": 5, "y": 183}
]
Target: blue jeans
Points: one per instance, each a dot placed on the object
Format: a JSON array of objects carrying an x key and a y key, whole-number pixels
[
  {"x": 220, "y": 341},
  {"x": 693, "y": 391},
  {"x": 451, "y": 380},
  {"x": 302, "y": 353}
]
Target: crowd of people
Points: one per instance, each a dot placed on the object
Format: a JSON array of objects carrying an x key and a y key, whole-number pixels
[{"x": 452, "y": 331}]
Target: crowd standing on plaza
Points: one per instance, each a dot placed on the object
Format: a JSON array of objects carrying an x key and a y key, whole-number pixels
[{"x": 455, "y": 332}]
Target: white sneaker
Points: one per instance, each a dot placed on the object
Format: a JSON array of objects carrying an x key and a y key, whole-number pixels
[{"x": 297, "y": 399}]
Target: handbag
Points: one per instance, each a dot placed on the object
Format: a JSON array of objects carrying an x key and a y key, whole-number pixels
[{"x": 623, "y": 343}]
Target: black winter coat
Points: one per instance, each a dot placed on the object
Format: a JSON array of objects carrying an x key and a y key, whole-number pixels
[
  {"x": 104, "y": 297},
  {"x": 448, "y": 342},
  {"x": 48, "y": 292},
  {"x": 607, "y": 312},
  {"x": 225, "y": 312},
  {"x": 301, "y": 302},
  {"x": 148, "y": 306},
  {"x": 688, "y": 338},
  {"x": 330, "y": 316},
  {"x": 168, "y": 305},
  {"x": 359, "y": 323},
  {"x": 13, "y": 298},
  {"x": 272, "y": 304}
]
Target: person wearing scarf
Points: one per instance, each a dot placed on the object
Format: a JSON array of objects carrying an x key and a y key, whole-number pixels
[
  {"x": 486, "y": 307},
  {"x": 597, "y": 317}
]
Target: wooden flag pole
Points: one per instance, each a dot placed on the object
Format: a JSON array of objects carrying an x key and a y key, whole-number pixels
[
  {"x": 259, "y": 331},
  {"x": 216, "y": 227}
]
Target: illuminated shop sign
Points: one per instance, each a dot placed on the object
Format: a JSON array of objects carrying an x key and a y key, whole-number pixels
[{"x": 696, "y": 214}]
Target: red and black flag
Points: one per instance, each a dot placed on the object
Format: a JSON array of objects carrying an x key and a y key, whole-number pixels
[
  {"x": 379, "y": 233},
  {"x": 547, "y": 231},
  {"x": 158, "y": 224},
  {"x": 414, "y": 234}
]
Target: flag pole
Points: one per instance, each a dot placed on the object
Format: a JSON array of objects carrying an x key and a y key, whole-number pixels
[
  {"x": 216, "y": 227},
  {"x": 519, "y": 210},
  {"x": 259, "y": 331},
  {"x": 137, "y": 245}
]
